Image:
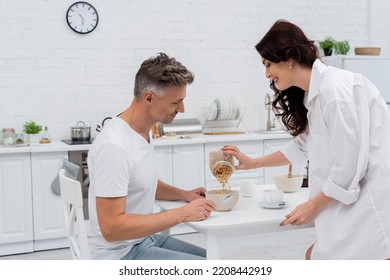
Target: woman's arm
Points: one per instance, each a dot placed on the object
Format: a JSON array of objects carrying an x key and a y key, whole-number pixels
[{"x": 245, "y": 162}]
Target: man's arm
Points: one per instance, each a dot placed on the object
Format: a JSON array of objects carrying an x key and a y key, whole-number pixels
[
  {"x": 168, "y": 192},
  {"x": 116, "y": 225}
]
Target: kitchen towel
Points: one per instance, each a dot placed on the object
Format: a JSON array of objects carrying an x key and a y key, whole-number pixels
[{"x": 71, "y": 171}]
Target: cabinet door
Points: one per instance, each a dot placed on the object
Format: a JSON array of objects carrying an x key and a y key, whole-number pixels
[
  {"x": 163, "y": 156},
  {"x": 188, "y": 166},
  {"x": 49, "y": 222},
  {"x": 271, "y": 146},
  {"x": 16, "y": 220},
  {"x": 253, "y": 148},
  {"x": 374, "y": 69},
  {"x": 181, "y": 166}
]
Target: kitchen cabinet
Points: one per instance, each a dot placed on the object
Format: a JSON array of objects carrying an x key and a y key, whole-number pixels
[
  {"x": 181, "y": 165},
  {"x": 252, "y": 148},
  {"x": 374, "y": 68},
  {"x": 49, "y": 221},
  {"x": 16, "y": 214},
  {"x": 164, "y": 159}
]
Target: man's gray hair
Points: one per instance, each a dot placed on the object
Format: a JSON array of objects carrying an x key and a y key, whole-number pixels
[{"x": 159, "y": 72}]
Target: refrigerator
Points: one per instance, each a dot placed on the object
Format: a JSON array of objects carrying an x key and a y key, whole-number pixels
[{"x": 375, "y": 68}]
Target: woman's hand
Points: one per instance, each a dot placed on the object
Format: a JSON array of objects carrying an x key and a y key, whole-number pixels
[
  {"x": 301, "y": 215},
  {"x": 245, "y": 162},
  {"x": 306, "y": 212}
]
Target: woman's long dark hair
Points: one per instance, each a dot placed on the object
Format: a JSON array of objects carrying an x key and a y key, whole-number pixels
[{"x": 282, "y": 42}]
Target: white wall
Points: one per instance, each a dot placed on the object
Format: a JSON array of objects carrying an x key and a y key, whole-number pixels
[
  {"x": 56, "y": 77},
  {"x": 379, "y": 25}
]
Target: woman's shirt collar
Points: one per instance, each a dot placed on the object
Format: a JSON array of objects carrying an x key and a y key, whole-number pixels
[{"x": 318, "y": 69}]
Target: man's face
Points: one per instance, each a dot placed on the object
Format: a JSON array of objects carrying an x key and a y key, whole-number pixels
[{"x": 168, "y": 105}]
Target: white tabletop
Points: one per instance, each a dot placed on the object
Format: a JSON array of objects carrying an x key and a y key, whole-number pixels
[{"x": 248, "y": 217}]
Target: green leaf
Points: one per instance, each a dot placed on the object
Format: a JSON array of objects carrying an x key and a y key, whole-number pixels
[{"x": 31, "y": 127}]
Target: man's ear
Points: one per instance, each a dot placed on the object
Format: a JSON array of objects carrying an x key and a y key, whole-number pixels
[{"x": 148, "y": 96}]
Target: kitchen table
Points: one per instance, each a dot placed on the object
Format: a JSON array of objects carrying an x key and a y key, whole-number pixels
[{"x": 247, "y": 218}]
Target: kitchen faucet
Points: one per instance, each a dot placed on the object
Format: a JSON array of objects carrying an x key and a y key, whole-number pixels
[
  {"x": 100, "y": 127},
  {"x": 270, "y": 124}
]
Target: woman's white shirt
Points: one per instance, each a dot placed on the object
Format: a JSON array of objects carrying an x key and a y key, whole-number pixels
[{"x": 346, "y": 144}]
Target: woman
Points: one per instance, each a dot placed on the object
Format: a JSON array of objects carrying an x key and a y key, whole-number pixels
[{"x": 341, "y": 124}]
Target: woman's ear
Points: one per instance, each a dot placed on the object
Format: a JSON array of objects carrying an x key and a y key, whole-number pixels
[{"x": 291, "y": 62}]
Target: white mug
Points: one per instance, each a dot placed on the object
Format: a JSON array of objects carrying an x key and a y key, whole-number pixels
[
  {"x": 273, "y": 197},
  {"x": 248, "y": 188}
]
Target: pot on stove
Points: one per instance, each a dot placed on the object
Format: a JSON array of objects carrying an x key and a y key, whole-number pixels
[{"x": 80, "y": 132}]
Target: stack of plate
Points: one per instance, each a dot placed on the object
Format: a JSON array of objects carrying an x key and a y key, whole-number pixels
[{"x": 223, "y": 108}]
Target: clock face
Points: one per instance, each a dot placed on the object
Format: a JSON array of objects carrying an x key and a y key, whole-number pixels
[{"x": 82, "y": 17}]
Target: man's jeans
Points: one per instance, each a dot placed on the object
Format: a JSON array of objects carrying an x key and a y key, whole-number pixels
[{"x": 161, "y": 247}]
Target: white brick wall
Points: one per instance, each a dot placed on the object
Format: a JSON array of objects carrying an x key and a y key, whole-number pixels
[{"x": 56, "y": 77}]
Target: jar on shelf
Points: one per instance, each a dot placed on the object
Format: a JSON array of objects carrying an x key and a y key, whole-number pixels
[
  {"x": 19, "y": 138},
  {"x": 8, "y": 136}
]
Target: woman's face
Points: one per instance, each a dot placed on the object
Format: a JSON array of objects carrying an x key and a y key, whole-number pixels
[{"x": 280, "y": 73}]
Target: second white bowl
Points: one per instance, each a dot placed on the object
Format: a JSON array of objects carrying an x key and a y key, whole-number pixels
[{"x": 286, "y": 184}]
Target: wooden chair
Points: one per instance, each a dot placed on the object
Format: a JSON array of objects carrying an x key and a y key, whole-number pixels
[{"x": 73, "y": 210}]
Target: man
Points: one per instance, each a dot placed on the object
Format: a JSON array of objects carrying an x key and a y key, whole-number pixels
[{"x": 123, "y": 174}]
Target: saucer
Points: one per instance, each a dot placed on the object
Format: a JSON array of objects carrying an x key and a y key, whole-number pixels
[{"x": 281, "y": 205}]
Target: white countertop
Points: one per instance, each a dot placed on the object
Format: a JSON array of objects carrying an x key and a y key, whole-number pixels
[
  {"x": 54, "y": 146},
  {"x": 219, "y": 138},
  {"x": 59, "y": 146}
]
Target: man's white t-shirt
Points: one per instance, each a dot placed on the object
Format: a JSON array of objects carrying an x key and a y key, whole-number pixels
[{"x": 120, "y": 163}]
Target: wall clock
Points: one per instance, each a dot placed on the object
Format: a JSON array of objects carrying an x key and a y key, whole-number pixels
[{"x": 82, "y": 17}]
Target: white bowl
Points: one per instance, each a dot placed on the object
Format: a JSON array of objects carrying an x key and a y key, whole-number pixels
[
  {"x": 286, "y": 184},
  {"x": 225, "y": 200}
]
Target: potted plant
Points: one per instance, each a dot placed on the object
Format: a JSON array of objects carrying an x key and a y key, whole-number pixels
[
  {"x": 327, "y": 45},
  {"x": 32, "y": 130},
  {"x": 341, "y": 47}
]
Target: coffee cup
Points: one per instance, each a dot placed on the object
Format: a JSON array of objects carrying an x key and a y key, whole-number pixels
[
  {"x": 273, "y": 198},
  {"x": 248, "y": 188}
]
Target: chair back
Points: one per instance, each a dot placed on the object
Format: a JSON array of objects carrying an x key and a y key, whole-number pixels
[{"x": 72, "y": 198}]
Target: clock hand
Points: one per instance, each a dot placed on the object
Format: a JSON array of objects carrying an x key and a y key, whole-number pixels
[{"x": 82, "y": 19}]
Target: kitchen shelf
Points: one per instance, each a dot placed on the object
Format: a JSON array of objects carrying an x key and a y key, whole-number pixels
[{"x": 220, "y": 127}]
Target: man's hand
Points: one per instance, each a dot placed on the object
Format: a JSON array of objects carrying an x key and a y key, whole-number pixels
[
  {"x": 197, "y": 210},
  {"x": 194, "y": 194}
]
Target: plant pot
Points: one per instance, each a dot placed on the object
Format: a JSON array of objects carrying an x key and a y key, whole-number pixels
[
  {"x": 34, "y": 138},
  {"x": 327, "y": 52}
]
